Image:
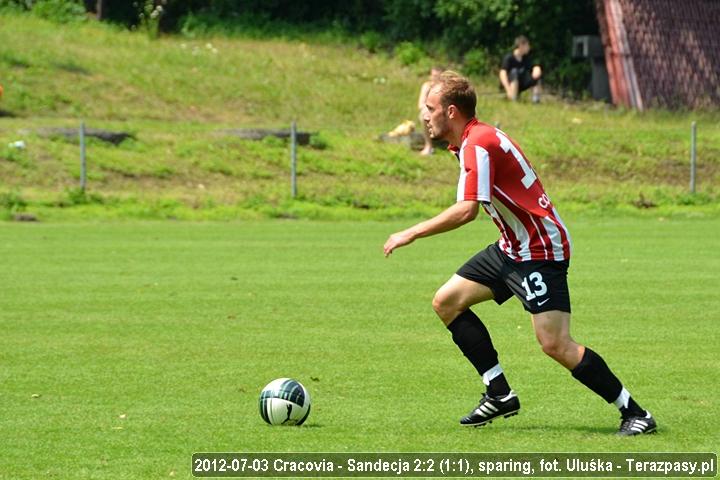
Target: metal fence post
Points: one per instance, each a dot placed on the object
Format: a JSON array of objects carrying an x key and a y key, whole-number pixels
[
  {"x": 293, "y": 159},
  {"x": 83, "y": 161},
  {"x": 693, "y": 155}
]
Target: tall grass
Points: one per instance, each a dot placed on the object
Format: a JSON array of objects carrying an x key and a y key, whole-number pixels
[{"x": 175, "y": 94}]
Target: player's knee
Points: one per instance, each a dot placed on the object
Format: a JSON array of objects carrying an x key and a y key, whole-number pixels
[
  {"x": 553, "y": 347},
  {"x": 438, "y": 302},
  {"x": 443, "y": 305}
]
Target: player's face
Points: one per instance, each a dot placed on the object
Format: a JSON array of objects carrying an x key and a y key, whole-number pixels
[{"x": 435, "y": 116}]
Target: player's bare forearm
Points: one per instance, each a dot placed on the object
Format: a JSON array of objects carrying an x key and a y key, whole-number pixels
[{"x": 453, "y": 217}]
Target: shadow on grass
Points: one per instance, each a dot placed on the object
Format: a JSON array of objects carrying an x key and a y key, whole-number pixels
[
  {"x": 296, "y": 427},
  {"x": 311, "y": 425},
  {"x": 609, "y": 430}
]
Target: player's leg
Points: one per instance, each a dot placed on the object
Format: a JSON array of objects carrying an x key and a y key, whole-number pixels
[
  {"x": 479, "y": 280},
  {"x": 542, "y": 288},
  {"x": 552, "y": 329},
  {"x": 457, "y": 295},
  {"x": 452, "y": 304}
]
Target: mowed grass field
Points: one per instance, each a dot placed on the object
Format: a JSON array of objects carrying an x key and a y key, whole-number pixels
[{"x": 126, "y": 347}]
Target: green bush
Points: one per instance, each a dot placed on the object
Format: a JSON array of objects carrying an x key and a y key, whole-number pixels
[
  {"x": 15, "y": 5},
  {"x": 371, "y": 41},
  {"x": 150, "y": 15},
  {"x": 408, "y": 53},
  {"x": 60, "y": 11},
  {"x": 477, "y": 62},
  {"x": 194, "y": 26},
  {"x": 572, "y": 78}
]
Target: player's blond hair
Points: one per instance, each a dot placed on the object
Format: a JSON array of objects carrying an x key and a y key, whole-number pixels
[{"x": 457, "y": 90}]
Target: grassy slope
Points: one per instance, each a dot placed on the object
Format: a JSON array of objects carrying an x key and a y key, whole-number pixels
[
  {"x": 177, "y": 326},
  {"x": 174, "y": 94}
]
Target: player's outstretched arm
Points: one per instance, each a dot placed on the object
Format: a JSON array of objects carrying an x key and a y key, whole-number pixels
[{"x": 450, "y": 219}]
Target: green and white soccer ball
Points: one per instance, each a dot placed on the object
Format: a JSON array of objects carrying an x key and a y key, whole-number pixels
[{"x": 284, "y": 402}]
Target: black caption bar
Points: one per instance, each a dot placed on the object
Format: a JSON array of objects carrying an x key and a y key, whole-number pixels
[{"x": 471, "y": 465}]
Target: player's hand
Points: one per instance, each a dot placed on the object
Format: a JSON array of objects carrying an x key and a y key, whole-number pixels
[{"x": 396, "y": 240}]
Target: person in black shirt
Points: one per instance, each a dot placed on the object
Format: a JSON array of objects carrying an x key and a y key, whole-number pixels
[{"x": 518, "y": 72}]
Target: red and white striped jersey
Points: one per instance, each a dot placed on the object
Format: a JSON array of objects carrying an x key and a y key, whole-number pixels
[{"x": 495, "y": 172}]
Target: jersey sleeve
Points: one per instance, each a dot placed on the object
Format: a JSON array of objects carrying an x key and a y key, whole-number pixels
[
  {"x": 505, "y": 65},
  {"x": 476, "y": 175}
]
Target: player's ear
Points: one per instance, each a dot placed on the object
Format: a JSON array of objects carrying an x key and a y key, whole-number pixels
[{"x": 451, "y": 111}]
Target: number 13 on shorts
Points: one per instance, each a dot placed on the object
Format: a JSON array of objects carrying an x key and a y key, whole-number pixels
[{"x": 535, "y": 281}]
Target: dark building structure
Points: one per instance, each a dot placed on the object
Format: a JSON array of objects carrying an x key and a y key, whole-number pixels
[{"x": 661, "y": 52}]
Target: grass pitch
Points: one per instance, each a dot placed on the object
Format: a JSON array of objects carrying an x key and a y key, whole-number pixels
[{"x": 126, "y": 347}]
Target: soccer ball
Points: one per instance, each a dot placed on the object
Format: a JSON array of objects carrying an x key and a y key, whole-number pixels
[{"x": 284, "y": 402}]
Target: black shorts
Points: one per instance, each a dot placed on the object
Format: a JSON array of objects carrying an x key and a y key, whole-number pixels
[
  {"x": 525, "y": 79},
  {"x": 541, "y": 285}
]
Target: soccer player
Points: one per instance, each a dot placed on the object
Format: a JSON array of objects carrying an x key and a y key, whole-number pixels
[{"x": 530, "y": 261}]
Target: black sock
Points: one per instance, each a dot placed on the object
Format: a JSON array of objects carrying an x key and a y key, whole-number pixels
[
  {"x": 593, "y": 372},
  {"x": 469, "y": 333},
  {"x": 498, "y": 386},
  {"x": 628, "y": 406},
  {"x": 632, "y": 410}
]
